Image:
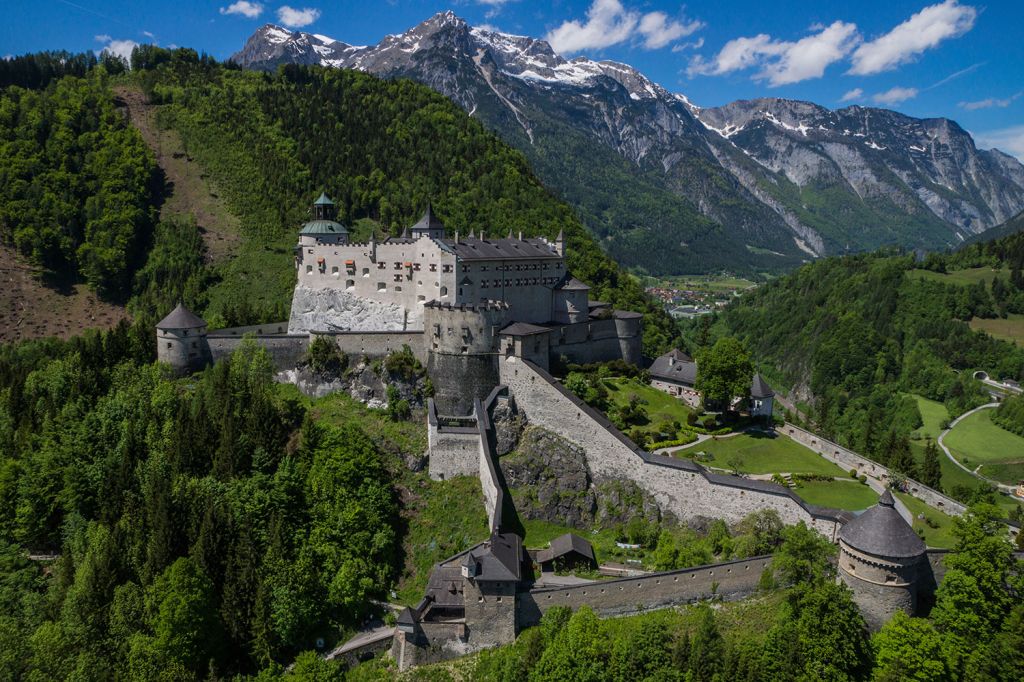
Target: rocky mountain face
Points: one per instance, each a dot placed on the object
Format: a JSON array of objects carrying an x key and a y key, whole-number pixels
[{"x": 671, "y": 187}]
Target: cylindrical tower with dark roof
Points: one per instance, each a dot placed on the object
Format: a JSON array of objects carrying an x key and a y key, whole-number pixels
[
  {"x": 883, "y": 561},
  {"x": 181, "y": 341}
]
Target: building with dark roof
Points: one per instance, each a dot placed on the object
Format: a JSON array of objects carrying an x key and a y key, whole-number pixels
[
  {"x": 566, "y": 552},
  {"x": 181, "y": 341},
  {"x": 675, "y": 372},
  {"x": 883, "y": 561}
]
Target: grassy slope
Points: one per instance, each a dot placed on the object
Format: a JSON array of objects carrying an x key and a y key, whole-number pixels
[
  {"x": 761, "y": 454},
  {"x": 439, "y": 518},
  {"x": 661, "y": 407},
  {"x": 1009, "y": 329},
  {"x": 942, "y": 535},
  {"x": 962, "y": 277},
  {"x": 849, "y": 495},
  {"x": 976, "y": 440},
  {"x": 933, "y": 414}
]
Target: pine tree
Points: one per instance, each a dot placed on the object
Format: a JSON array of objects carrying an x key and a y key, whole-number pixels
[{"x": 931, "y": 471}]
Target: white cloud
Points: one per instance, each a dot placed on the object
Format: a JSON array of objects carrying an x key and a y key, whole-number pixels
[
  {"x": 962, "y": 72},
  {"x": 851, "y": 95},
  {"x": 120, "y": 48},
  {"x": 102, "y": 38},
  {"x": 990, "y": 102},
  {"x": 658, "y": 30},
  {"x": 782, "y": 62},
  {"x": 920, "y": 32},
  {"x": 895, "y": 95},
  {"x": 692, "y": 45},
  {"x": 491, "y": 28},
  {"x": 610, "y": 23},
  {"x": 1009, "y": 140},
  {"x": 148, "y": 34},
  {"x": 247, "y": 9},
  {"x": 297, "y": 18}
]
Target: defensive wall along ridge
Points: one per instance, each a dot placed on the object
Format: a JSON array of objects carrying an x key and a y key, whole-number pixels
[{"x": 679, "y": 485}]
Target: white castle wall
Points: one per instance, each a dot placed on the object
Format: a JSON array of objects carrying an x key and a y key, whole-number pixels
[{"x": 679, "y": 486}]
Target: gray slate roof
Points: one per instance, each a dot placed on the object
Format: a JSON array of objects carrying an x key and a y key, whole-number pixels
[
  {"x": 564, "y": 544},
  {"x": 181, "y": 318},
  {"x": 675, "y": 366},
  {"x": 444, "y": 586},
  {"x": 881, "y": 531},
  {"x": 428, "y": 222},
  {"x": 523, "y": 329},
  {"x": 471, "y": 248},
  {"x": 570, "y": 283},
  {"x": 501, "y": 558},
  {"x": 759, "y": 388}
]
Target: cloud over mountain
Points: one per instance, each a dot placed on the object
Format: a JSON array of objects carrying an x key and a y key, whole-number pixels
[{"x": 610, "y": 23}]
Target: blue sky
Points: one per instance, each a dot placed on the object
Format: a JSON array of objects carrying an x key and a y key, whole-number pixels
[{"x": 962, "y": 60}]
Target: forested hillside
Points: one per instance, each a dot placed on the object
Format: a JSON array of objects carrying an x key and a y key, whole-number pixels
[
  {"x": 381, "y": 149},
  {"x": 855, "y": 336},
  {"x": 76, "y": 182}
]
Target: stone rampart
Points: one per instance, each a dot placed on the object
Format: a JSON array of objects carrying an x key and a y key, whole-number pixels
[
  {"x": 728, "y": 580},
  {"x": 285, "y": 350},
  {"x": 490, "y": 479},
  {"x": 453, "y": 444},
  {"x": 680, "y": 486},
  {"x": 847, "y": 459}
]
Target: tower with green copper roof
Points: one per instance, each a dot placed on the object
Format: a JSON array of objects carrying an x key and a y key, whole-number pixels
[{"x": 324, "y": 227}]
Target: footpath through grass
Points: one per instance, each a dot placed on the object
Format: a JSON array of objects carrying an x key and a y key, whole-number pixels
[
  {"x": 756, "y": 452},
  {"x": 977, "y": 440}
]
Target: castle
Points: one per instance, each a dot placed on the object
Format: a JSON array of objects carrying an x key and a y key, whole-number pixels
[
  {"x": 458, "y": 303},
  {"x": 489, "y": 317}
]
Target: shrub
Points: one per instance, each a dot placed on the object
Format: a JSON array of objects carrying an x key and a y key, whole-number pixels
[
  {"x": 691, "y": 418},
  {"x": 685, "y": 438},
  {"x": 863, "y": 479},
  {"x": 324, "y": 357},
  {"x": 709, "y": 422},
  {"x": 853, "y": 473}
]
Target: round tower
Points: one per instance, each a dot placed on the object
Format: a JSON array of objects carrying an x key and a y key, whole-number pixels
[
  {"x": 883, "y": 561},
  {"x": 181, "y": 341}
]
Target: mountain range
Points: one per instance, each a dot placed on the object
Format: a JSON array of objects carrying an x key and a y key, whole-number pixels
[{"x": 671, "y": 187}]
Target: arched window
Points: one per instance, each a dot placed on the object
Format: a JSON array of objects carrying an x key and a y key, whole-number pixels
[
  {"x": 444, "y": 291},
  {"x": 350, "y": 283}
]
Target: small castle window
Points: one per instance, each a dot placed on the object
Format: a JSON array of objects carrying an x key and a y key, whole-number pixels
[
  {"x": 421, "y": 298},
  {"x": 309, "y": 269},
  {"x": 334, "y": 270},
  {"x": 398, "y": 288},
  {"x": 381, "y": 286},
  {"x": 444, "y": 291},
  {"x": 366, "y": 272},
  {"x": 433, "y": 267},
  {"x": 169, "y": 345},
  {"x": 350, "y": 283}
]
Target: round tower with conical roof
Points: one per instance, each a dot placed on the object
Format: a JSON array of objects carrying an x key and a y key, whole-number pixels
[
  {"x": 181, "y": 341},
  {"x": 883, "y": 561}
]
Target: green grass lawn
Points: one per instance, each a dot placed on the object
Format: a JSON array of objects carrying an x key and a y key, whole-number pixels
[
  {"x": 539, "y": 533},
  {"x": 941, "y": 536},
  {"x": 1011, "y": 329},
  {"x": 976, "y": 440},
  {"x": 762, "y": 454},
  {"x": 933, "y": 414},
  {"x": 963, "y": 277},
  {"x": 849, "y": 495},
  {"x": 662, "y": 409}
]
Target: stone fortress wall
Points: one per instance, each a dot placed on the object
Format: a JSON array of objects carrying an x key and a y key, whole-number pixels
[
  {"x": 847, "y": 459},
  {"x": 728, "y": 580},
  {"x": 680, "y": 486},
  {"x": 287, "y": 350}
]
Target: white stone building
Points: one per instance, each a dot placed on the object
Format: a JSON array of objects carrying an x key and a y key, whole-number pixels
[{"x": 384, "y": 285}]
